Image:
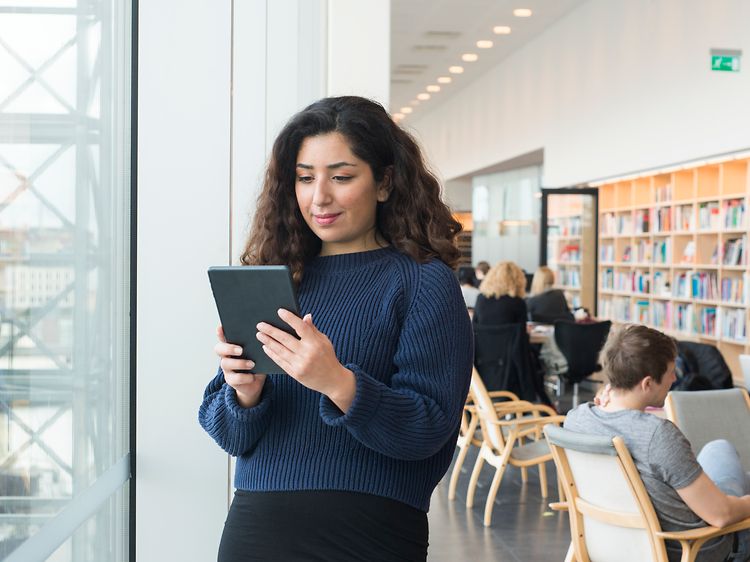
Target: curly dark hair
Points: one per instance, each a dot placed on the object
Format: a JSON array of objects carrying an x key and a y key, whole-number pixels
[{"x": 414, "y": 219}]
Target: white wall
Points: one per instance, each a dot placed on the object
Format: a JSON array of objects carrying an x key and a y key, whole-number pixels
[
  {"x": 359, "y": 53},
  {"x": 613, "y": 87},
  {"x": 183, "y": 213}
]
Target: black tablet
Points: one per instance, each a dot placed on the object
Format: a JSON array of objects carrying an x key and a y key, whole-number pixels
[{"x": 246, "y": 295}]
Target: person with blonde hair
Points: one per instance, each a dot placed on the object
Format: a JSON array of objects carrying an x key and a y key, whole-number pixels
[
  {"x": 545, "y": 303},
  {"x": 501, "y": 296}
]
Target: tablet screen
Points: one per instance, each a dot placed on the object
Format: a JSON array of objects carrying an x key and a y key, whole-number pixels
[{"x": 246, "y": 295}]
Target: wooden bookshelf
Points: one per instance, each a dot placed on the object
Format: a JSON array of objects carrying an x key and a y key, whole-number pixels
[
  {"x": 673, "y": 255},
  {"x": 463, "y": 240},
  {"x": 571, "y": 243}
]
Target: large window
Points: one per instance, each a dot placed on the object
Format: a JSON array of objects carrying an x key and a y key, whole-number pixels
[{"x": 64, "y": 268}]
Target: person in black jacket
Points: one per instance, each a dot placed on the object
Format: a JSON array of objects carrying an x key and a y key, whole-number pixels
[
  {"x": 501, "y": 299},
  {"x": 545, "y": 303}
]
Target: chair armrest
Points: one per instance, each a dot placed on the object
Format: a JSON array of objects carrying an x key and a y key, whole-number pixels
[
  {"x": 503, "y": 394},
  {"x": 707, "y": 532},
  {"x": 559, "y": 506},
  {"x": 529, "y": 421}
]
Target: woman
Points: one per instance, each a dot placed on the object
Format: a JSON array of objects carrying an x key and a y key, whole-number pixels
[
  {"x": 338, "y": 459},
  {"x": 501, "y": 299},
  {"x": 545, "y": 303}
]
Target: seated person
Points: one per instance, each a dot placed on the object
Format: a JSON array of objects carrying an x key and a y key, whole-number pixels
[
  {"x": 545, "y": 303},
  {"x": 468, "y": 282},
  {"x": 501, "y": 296},
  {"x": 686, "y": 492},
  {"x": 480, "y": 271}
]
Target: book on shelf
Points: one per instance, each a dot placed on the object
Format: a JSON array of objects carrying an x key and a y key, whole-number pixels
[
  {"x": 661, "y": 252},
  {"x": 733, "y": 324},
  {"x": 627, "y": 255},
  {"x": 733, "y": 289},
  {"x": 734, "y": 213},
  {"x": 685, "y": 217},
  {"x": 704, "y": 285},
  {"x": 680, "y": 286},
  {"x": 641, "y": 312},
  {"x": 688, "y": 253},
  {"x": 708, "y": 321},
  {"x": 607, "y": 253},
  {"x": 734, "y": 251},
  {"x": 663, "y": 193},
  {"x": 641, "y": 221},
  {"x": 663, "y": 219},
  {"x": 643, "y": 252},
  {"x": 570, "y": 253},
  {"x": 708, "y": 215},
  {"x": 683, "y": 317}
]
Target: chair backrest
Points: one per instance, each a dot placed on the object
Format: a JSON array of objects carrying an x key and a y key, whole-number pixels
[
  {"x": 502, "y": 358},
  {"x": 486, "y": 411},
  {"x": 705, "y": 415},
  {"x": 611, "y": 515},
  {"x": 581, "y": 344}
]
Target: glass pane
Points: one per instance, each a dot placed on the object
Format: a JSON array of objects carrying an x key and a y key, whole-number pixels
[
  {"x": 64, "y": 266},
  {"x": 571, "y": 247}
]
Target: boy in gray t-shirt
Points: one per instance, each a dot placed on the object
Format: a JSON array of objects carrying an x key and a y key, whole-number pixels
[{"x": 681, "y": 487}]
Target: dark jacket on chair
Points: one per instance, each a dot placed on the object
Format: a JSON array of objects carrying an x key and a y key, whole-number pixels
[
  {"x": 503, "y": 358},
  {"x": 548, "y": 306}
]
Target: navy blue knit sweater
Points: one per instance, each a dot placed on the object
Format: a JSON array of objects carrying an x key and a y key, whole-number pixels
[{"x": 403, "y": 329}]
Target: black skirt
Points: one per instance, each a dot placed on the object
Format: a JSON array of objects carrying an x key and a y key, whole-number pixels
[{"x": 328, "y": 526}]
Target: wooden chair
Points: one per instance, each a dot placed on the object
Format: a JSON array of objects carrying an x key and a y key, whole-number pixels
[
  {"x": 705, "y": 415},
  {"x": 470, "y": 435},
  {"x": 612, "y": 518},
  {"x": 500, "y": 448}
]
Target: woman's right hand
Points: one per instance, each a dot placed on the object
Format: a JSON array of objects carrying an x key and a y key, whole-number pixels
[{"x": 248, "y": 386}]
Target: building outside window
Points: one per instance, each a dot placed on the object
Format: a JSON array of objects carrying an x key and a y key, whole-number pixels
[{"x": 65, "y": 195}]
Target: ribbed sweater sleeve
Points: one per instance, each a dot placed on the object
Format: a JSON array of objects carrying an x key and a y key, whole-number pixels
[
  {"x": 234, "y": 428},
  {"x": 413, "y": 417}
]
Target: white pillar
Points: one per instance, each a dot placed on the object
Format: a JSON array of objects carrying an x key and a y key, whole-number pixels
[{"x": 183, "y": 213}]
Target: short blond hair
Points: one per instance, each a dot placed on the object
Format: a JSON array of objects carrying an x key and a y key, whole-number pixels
[
  {"x": 504, "y": 278},
  {"x": 543, "y": 280}
]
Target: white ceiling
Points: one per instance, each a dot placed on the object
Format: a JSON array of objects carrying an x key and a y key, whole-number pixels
[{"x": 428, "y": 36}]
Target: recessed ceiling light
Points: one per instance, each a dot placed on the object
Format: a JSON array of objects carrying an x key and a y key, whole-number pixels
[
  {"x": 469, "y": 57},
  {"x": 444, "y": 79},
  {"x": 407, "y": 109},
  {"x": 484, "y": 44},
  {"x": 501, "y": 30},
  {"x": 433, "y": 88},
  {"x": 456, "y": 69},
  {"x": 423, "y": 96},
  {"x": 522, "y": 12}
]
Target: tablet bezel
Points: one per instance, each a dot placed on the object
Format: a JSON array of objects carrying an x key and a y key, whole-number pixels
[{"x": 248, "y": 294}]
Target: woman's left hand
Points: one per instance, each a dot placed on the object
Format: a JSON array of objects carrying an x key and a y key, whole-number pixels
[{"x": 311, "y": 359}]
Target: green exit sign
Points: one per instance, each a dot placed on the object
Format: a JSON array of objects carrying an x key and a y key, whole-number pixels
[{"x": 725, "y": 61}]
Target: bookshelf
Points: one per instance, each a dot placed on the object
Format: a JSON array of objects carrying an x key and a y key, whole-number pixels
[
  {"x": 673, "y": 254},
  {"x": 571, "y": 246},
  {"x": 463, "y": 240}
]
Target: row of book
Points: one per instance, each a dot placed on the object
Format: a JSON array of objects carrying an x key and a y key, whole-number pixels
[
  {"x": 731, "y": 252},
  {"x": 699, "y": 285},
  {"x": 569, "y": 276},
  {"x": 681, "y": 317},
  {"x": 710, "y": 214},
  {"x": 565, "y": 226}
]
